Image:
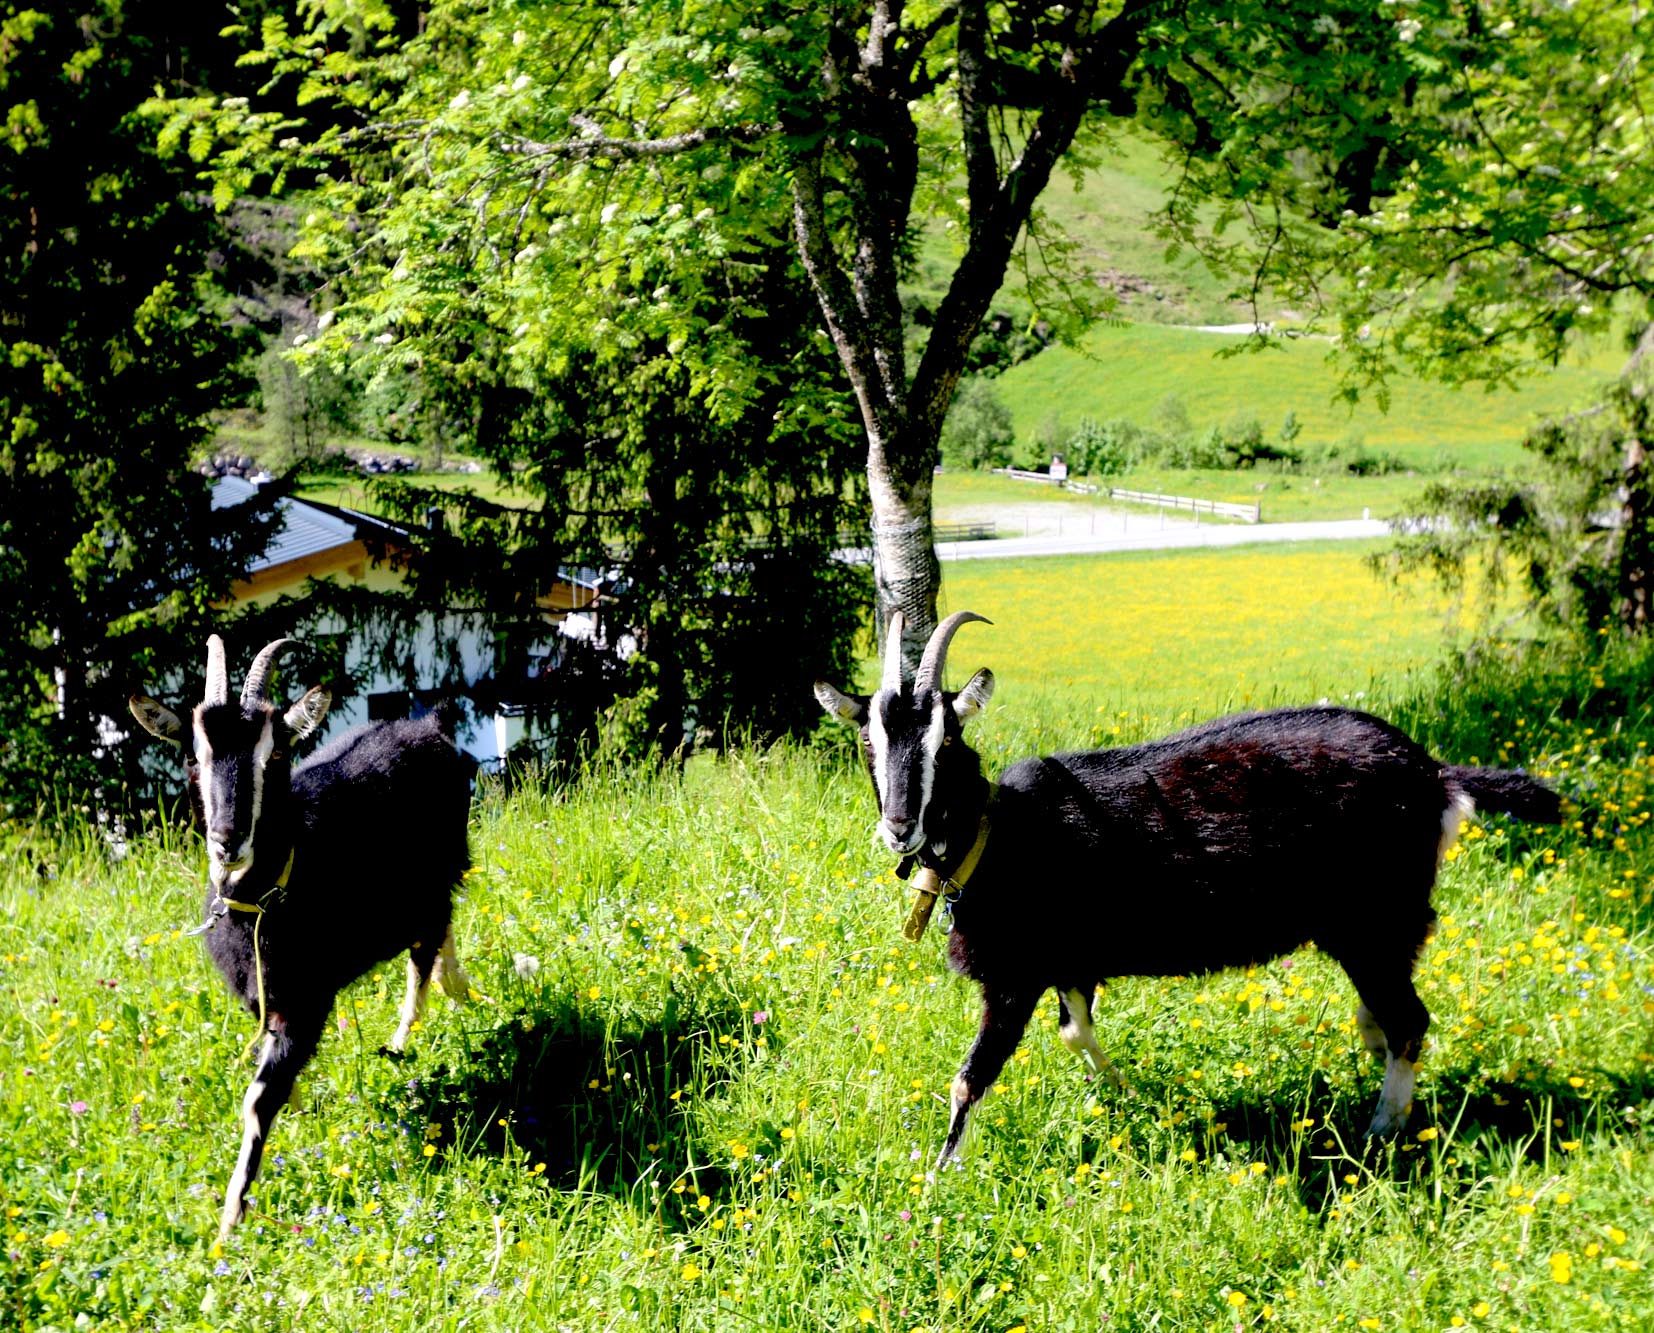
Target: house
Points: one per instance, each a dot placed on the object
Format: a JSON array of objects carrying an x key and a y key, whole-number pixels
[{"x": 320, "y": 541}]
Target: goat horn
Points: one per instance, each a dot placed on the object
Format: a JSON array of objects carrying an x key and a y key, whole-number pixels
[
  {"x": 893, "y": 653},
  {"x": 218, "y": 677},
  {"x": 929, "y": 675},
  {"x": 258, "y": 675}
]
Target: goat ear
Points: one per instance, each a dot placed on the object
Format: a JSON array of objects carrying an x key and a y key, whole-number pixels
[
  {"x": 845, "y": 707},
  {"x": 155, "y": 718},
  {"x": 306, "y": 715},
  {"x": 974, "y": 697}
]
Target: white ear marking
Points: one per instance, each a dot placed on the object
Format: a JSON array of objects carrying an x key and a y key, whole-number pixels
[
  {"x": 840, "y": 705},
  {"x": 307, "y": 714},
  {"x": 974, "y": 697},
  {"x": 156, "y": 718}
]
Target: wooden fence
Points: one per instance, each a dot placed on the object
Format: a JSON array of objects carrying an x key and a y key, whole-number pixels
[
  {"x": 1251, "y": 513},
  {"x": 1062, "y": 483}
]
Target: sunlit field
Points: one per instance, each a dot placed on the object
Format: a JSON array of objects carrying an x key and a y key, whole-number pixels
[
  {"x": 1183, "y": 634},
  {"x": 709, "y": 1078}
]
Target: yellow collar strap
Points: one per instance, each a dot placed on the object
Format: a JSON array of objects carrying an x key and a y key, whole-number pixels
[
  {"x": 928, "y": 886},
  {"x": 236, "y": 905}
]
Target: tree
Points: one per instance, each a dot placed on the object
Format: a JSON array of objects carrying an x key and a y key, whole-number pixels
[
  {"x": 978, "y": 432},
  {"x": 584, "y": 151},
  {"x": 111, "y": 556},
  {"x": 712, "y": 535},
  {"x": 1517, "y": 223}
]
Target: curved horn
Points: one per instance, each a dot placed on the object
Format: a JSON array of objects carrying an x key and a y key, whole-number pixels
[
  {"x": 893, "y": 653},
  {"x": 218, "y": 676},
  {"x": 929, "y": 675},
  {"x": 258, "y": 675}
]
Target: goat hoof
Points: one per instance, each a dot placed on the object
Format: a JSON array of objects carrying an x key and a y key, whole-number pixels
[{"x": 393, "y": 1053}]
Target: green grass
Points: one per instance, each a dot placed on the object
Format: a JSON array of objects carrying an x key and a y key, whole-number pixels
[
  {"x": 1128, "y": 371},
  {"x": 1106, "y": 215},
  {"x": 713, "y": 1102}
]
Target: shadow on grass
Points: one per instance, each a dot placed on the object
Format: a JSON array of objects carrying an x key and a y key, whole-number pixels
[
  {"x": 601, "y": 1107},
  {"x": 1463, "y": 1106}
]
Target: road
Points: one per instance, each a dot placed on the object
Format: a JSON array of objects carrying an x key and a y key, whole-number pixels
[{"x": 1150, "y": 538}]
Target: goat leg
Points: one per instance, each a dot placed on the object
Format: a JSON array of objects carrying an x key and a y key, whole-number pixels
[
  {"x": 1392, "y": 1021},
  {"x": 1080, "y": 1037},
  {"x": 289, "y": 1043},
  {"x": 1004, "y": 1016},
  {"x": 421, "y": 958},
  {"x": 451, "y": 974}
]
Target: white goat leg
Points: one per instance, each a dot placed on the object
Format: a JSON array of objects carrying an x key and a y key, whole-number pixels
[
  {"x": 1081, "y": 1037},
  {"x": 1395, "y": 1098},
  {"x": 252, "y": 1135},
  {"x": 1372, "y": 1036},
  {"x": 413, "y": 1004},
  {"x": 450, "y": 973}
]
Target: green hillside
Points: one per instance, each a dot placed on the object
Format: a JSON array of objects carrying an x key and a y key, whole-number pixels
[
  {"x": 1127, "y": 371},
  {"x": 1107, "y": 214}
]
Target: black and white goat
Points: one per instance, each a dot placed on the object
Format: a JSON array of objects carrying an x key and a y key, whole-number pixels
[
  {"x": 1225, "y": 845},
  {"x": 318, "y": 871}
]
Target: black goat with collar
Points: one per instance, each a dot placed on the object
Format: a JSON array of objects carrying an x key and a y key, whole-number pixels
[
  {"x": 1225, "y": 845},
  {"x": 318, "y": 871}
]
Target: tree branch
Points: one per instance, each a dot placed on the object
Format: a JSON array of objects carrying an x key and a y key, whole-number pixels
[
  {"x": 1092, "y": 67},
  {"x": 839, "y": 307},
  {"x": 596, "y": 144}
]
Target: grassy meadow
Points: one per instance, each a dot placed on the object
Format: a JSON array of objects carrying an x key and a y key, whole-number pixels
[
  {"x": 1170, "y": 636},
  {"x": 709, "y": 1077},
  {"x": 1127, "y": 370}
]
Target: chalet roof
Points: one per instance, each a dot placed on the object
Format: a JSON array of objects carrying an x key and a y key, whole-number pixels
[
  {"x": 305, "y": 529},
  {"x": 310, "y": 527}
]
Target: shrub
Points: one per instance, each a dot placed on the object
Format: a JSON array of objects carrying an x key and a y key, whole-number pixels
[
  {"x": 978, "y": 431},
  {"x": 1105, "y": 448}
]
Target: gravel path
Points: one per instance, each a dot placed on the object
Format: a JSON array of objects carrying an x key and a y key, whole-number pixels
[{"x": 1143, "y": 537}]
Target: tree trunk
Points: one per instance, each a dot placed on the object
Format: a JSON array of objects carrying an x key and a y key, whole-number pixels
[{"x": 906, "y": 573}]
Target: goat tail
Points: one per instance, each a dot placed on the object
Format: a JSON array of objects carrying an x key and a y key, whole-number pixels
[{"x": 1505, "y": 790}]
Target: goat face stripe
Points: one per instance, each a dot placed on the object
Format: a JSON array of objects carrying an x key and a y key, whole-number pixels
[
  {"x": 880, "y": 740},
  {"x": 230, "y": 781},
  {"x": 906, "y": 735}
]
